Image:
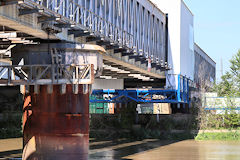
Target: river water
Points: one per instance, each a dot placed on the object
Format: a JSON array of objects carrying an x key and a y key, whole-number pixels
[
  {"x": 148, "y": 149},
  {"x": 169, "y": 150}
]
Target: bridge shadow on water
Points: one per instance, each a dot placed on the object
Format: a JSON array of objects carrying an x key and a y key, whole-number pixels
[
  {"x": 121, "y": 149},
  {"x": 103, "y": 149},
  {"x": 10, "y": 154}
]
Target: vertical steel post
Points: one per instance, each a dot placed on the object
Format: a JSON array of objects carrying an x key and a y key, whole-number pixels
[
  {"x": 179, "y": 89},
  {"x": 184, "y": 90},
  {"x": 188, "y": 91}
]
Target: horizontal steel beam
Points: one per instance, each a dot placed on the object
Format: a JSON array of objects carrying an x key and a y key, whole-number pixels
[
  {"x": 46, "y": 74},
  {"x": 29, "y": 11}
]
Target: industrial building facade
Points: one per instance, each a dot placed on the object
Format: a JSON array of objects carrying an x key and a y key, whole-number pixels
[{"x": 204, "y": 69}]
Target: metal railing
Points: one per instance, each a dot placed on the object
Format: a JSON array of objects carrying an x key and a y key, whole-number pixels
[{"x": 46, "y": 74}]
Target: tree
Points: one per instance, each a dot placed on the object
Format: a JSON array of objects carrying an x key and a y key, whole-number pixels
[
  {"x": 225, "y": 87},
  {"x": 235, "y": 71},
  {"x": 230, "y": 82}
]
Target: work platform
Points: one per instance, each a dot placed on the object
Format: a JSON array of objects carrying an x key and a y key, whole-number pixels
[{"x": 181, "y": 95}]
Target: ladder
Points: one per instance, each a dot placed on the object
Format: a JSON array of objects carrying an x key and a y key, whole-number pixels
[{"x": 56, "y": 60}]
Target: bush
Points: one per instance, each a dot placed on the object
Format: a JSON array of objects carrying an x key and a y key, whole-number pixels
[{"x": 219, "y": 136}]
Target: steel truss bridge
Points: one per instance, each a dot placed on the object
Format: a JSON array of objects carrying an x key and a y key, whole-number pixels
[
  {"x": 133, "y": 32},
  {"x": 132, "y": 28}
]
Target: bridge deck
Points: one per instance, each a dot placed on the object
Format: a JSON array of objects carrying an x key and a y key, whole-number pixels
[{"x": 133, "y": 32}]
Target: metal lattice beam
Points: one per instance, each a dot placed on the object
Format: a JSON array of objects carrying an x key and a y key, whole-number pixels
[
  {"x": 138, "y": 95},
  {"x": 136, "y": 24},
  {"x": 46, "y": 74}
]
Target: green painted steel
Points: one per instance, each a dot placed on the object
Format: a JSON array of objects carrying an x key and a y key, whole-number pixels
[{"x": 98, "y": 108}]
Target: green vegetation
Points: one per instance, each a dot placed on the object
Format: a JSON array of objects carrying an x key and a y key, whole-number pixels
[
  {"x": 229, "y": 119},
  {"x": 139, "y": 134},
  {"x": 229, "y": 87},
  {"x": 211, "y": 120},
  {"x": 11, "y": 128},
  {"x": 169, "y": 127},
  {"x": 230, "y": 83},
  {"x": 226, "y": 136},
  {"x": 11, "y": 116},
  {"x": 143, "y": 133}
]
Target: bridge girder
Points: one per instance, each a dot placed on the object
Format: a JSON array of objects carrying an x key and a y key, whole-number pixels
[{"x": 132, "y": 29}]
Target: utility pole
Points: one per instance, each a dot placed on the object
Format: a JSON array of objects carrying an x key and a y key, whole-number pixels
[{"x": 221, "y": 66}]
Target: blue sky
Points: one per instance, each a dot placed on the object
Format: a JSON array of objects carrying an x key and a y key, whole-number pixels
[{"x": 217, "y": 28}]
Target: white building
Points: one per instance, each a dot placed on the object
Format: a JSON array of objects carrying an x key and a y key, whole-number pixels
[{"x": 181, "y": 40}]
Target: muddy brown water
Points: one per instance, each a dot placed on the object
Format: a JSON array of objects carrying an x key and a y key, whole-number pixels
[{"x": 148, "y": 149}]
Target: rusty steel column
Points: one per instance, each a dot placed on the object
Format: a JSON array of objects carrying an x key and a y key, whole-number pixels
[
  {"x": 55, "y": 125},
  {"x": 56, "y": 108}
]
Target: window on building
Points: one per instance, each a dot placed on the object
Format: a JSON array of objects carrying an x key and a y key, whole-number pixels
[{"x": 191, "y": 38}]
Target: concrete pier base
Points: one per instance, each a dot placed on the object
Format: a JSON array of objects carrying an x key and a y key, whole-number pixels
[{"x": 55, "y": 125}]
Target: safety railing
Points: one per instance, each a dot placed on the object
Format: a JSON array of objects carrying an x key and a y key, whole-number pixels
[{"x": 46, "y": 74}]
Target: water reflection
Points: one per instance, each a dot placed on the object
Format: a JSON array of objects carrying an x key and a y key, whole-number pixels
[
  {"x": 190, "y": 150},
  {"x": 169, "y": 150},
  {"x": 148, "y": 149}
]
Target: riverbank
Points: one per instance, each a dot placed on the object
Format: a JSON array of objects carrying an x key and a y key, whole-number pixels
[
  {"x": 169, "y": 127},
  {"x": 141, "y": 133},
  {"x": 223, "y": 135},
  {"x": 138, "y": 134}
]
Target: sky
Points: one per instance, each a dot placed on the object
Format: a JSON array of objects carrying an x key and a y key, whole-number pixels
[{"x": 217, "y": 29}]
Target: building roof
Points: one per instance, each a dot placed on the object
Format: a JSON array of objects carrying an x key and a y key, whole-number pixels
[
  {"x": 187, "y": 7},
  {"x": 203, "y": 53}
]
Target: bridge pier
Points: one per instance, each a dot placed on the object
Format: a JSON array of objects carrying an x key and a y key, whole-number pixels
[
  {"x": 55, "y": 125},
  {"x": 57, "y": 79}
]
